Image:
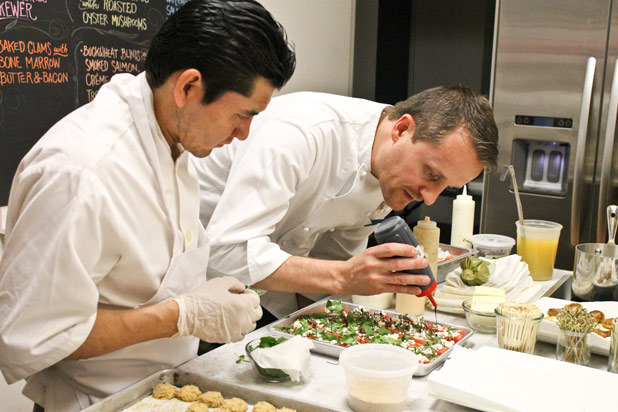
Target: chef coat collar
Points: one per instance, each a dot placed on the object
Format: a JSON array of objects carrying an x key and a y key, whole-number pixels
[{"x": 365, "y": 146}]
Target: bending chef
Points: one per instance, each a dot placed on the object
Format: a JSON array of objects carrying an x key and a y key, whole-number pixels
[
  {"x": 103, "y": 278},
  {"x": 290, "y": 210}
]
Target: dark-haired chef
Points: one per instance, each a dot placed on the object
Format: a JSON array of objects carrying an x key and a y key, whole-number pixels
[{"x": 103, "y": 278}]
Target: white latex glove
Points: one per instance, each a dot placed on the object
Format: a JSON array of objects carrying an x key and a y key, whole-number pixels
[{"x": 221, "y": 310}]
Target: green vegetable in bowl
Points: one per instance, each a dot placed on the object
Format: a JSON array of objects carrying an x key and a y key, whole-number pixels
[
  {"x": 474, "y": 271},
  {"x": 267, "y": 342}
]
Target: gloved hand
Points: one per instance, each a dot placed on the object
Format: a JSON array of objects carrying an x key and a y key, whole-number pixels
[{"x": 221, "y": 310}]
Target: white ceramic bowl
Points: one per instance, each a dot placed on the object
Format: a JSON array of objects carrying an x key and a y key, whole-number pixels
[{"x": 378, "y": 376}]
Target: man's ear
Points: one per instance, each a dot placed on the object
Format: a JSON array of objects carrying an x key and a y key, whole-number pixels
[
  {"x": 188, "y": 87},
  {"x": 404, "y": 126}
]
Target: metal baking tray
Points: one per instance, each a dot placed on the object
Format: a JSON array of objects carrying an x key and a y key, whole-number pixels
[
  {"x": 142, "y": 389},
  {"x": 459, "y": 254},
  {"x": 329, "y": 349}
]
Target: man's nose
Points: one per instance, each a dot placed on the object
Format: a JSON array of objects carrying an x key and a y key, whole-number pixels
[
  {"x": 241, "y": 132},
  {"x": 430, "y": 195}
]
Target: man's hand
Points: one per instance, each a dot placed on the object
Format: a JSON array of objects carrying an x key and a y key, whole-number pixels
[
  {"x": 221, "y": 310},
  {"x": 379, "y": 269}
]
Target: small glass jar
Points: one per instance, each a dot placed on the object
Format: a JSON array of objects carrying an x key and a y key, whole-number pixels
[
  {"x": 612, "y": 365},
  {"x": 573, "y": 347}
]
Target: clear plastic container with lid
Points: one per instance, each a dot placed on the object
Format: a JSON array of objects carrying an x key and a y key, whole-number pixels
[
  {"x": 493, "y": 246},
  {"x": 378, "y": 376}
]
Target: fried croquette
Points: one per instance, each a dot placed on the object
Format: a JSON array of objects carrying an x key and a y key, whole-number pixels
[
  {"x": 235, "y": 405},
  {"x": 198, "y": 407},
  {"x": 264, "y": 407},
  {"x": 189, "y": 393},
  {"x": 164, "y": 391},
  {"x": 212, "y": 399}
]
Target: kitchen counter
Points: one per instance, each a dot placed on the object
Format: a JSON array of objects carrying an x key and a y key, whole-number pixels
[{"x": 326, "y": 385}]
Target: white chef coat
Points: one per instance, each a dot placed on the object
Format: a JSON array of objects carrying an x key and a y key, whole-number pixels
[
  {"x": 300, "y": 185},
  {"x": 100, "y": 216}
]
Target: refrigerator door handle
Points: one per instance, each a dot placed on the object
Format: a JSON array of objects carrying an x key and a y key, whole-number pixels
[
  {"x": 579, "y": 153},
  {"x": 606, "y": 163}
]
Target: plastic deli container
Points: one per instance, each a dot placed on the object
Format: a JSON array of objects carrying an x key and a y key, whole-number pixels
[
  {"x": 378, "y": 376},
  {"x": 493, "y": 246}
]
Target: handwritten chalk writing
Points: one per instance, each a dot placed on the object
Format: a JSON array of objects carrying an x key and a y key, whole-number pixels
[
  {"x": 12, "y": 46},
  {"x": 96, "y": 79},
  {"x": 88, "y": 4},
  {"x": 62, "y": 50},
  {"x": 52, "y": 77},
  {"x": 94, "y": 19},
  {"x": 32, "y": 77},
  {"x": 42, "y": 62},
  {"x": 10, "y": 62},
  {"x": 138, "y": 55},
  {"x": 91, "y": 94},
  {"x": 96, "y": 65},
  {"x": 100, "y": 51},
  {"x": 126, "y": 22},
  {"x": 39, "y": 47},
  {"x": 124, "y": 67},
  {"x": 173, "y": 5},
  {"x": 18, "y": 9},
  {"x": 119, "y": 6}
]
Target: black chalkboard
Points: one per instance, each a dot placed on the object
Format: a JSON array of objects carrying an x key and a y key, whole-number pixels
[{"x": 54, "y": 57}]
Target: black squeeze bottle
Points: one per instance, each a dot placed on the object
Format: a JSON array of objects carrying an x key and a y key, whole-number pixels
[{"x": 396, "y": 230}]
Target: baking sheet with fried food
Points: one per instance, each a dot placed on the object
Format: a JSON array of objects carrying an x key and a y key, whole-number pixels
[
  {"x": 153, "y": 404},
  {"x": 601, "y": 334},
  {"x": 142, "y": 390}
]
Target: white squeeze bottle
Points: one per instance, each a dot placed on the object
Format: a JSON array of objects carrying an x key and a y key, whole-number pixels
[{"x": 463, "y": 220}]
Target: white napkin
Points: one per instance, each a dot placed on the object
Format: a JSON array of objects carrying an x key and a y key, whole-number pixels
[
  {"x": 493, "y": 379},
  {"x": 509, "y": 273},
  {"x": 291, "y": 356}
]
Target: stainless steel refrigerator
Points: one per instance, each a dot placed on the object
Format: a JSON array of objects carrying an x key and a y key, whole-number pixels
[{"x": 555, "y": 96}]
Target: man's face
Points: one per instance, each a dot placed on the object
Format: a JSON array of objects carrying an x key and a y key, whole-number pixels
[
  {"x": 203, "y": 127},
  {"x": 418, "y": 170}
]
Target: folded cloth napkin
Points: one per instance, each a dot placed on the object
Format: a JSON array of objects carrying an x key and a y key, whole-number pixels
[
  {"x": 291, "y": 356},
  {"x": 509, "y": 273}
]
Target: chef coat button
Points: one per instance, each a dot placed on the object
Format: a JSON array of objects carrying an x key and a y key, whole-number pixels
[
  {"x": 188, "y": 235},
  {"x": 306, "y": 229},
  {"x": 363, "y": 173}
]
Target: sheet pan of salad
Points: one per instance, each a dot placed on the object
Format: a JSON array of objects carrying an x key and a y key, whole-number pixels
[{"x": 334, "y": 325}]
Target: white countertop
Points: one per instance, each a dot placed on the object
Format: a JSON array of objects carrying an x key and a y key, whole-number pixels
[{"x": 326, "y": 385}]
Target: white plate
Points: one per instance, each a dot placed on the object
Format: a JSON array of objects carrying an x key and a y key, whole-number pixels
[{"x": 548, "y": 329}]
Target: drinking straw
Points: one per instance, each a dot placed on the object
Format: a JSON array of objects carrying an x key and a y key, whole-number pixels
[{"x": 520, "y": 212}]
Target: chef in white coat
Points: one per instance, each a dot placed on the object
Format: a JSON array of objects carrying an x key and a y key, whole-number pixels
[
  {"x": 290, "y": 210},
  {"x": 103, "y": 278}
]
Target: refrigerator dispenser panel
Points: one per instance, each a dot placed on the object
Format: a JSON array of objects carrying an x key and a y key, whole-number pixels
[{"x": 541, "y": 167}]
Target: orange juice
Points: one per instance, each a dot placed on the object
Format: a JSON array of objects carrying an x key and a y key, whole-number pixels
[{"x": 539, "y": 254}]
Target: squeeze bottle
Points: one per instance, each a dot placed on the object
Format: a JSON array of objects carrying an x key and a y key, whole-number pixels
[
  {"x": 427, "y": 234},
  {"x": 463, "y": 220}
]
